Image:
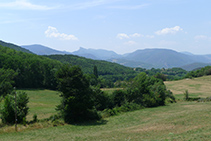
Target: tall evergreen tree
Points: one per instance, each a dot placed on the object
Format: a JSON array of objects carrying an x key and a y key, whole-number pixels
[
  {"x": 95, "y": 71},
  {"x": 77, "y": 104}
]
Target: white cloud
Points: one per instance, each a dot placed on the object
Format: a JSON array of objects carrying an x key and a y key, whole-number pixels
[
  {"x": 172, "y": 30},
  {"x": 24, "y": 5},
  {"x": 122, "y": 36},
  {"x": 136, "y": 35},
  {"x": 53, "y": 32},
  {"x": 126, "y": 36},
  {"x": 130, "y": 43},
  {"x": 202, "y": 37},
  {"x": 91, "y": 4},
  {"x": 132, "y": 7}
]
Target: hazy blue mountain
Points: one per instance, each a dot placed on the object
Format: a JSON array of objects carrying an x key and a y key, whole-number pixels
[
  {"x": 165, "y": 58},
  {"x": 13, "y": 46},
  {"x": 99, "y": 54},
  {"x": 130, "y": 63},
  {"x": 147, "y": 58},
  {"x": 187, "y": 53},
  {"x": 194, "y": 66},
  {"x": 43, "y": 50}
]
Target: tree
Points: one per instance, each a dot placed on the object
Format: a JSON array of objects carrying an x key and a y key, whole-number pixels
[
  {"x": 148, "y": 91},
  {"x": 77, "y": 96},
  {"x": 95, "y": 71},
  {"x": 6, "y": 81},
  {"x": 8, "y": 110}
]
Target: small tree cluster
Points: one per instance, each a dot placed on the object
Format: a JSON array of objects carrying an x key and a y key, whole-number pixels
[
  {"x": 6, "y": 81},
  {"x": 80, "y": 102},
  {"x": 8, "y": 108}
]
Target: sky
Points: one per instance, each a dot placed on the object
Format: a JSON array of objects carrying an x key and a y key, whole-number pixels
[{"x": 122, "y": 26}]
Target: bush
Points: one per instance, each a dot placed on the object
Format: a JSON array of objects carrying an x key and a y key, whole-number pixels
[
  {"x": 35, "y": 118},
  {"x": 101, "y": 99},
  {"x": 119, "y": 97},
  {"x": 186, "y": 95}
]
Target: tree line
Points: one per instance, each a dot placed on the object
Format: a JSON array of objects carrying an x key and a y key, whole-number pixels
[
  {"x": 82, "y": 102},
  {"x": 31, "y": 71}
]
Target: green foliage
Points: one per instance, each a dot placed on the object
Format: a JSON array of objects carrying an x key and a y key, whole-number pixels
[
  {"x": 119, "y": 97},
  {"x": 95, "y": 71},
  {"x": 35, "y": 118},
  {"x": 101, "y": 99},
  {"x": 8, "y": 109},
  {"x": 161, "y": 76},
  {"x": 165, "y": 74},
  {"x": 200, "y": 72},
  {"x": 33, "y": 71},
  {"x": 123, "y": 108},
  {"x": 77, "y": 104},
  {"x": 107, "y": 71},
  {"x": 6, "y": 81},
  {"x": 147, "y": 91},
  {"x": 15, "y": 47}
]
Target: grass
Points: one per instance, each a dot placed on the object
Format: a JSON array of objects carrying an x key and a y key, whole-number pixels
[
  {"x": 179, "y": 121},
  {"x": 197, "y": 87},
  {"x": 110, "y": 90},
  {"x": 42, "y": 103}
]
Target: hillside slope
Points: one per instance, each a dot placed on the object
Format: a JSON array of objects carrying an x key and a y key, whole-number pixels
[
  {"x": 13, "y": 46},
  {"x": 99, "y": 54},
  {"x": 43, "y": 50},
  {"x": 33, "y": 71},
  {"x": 112, "y": 70}
]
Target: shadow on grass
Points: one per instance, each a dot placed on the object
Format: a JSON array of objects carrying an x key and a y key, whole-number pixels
[
  {"x": 92, "y": 123},
  {"x": 31, "y": 89}
]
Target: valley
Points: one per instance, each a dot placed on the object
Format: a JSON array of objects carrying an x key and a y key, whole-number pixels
[
  {"x": 183, "y": 120},
  {"x": 179, "y": 121}
]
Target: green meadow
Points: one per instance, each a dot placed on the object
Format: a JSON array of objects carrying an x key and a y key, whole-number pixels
[{"x": 178, "y": 121}]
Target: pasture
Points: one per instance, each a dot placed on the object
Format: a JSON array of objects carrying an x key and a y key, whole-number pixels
[{"x": 178, "y": 121}]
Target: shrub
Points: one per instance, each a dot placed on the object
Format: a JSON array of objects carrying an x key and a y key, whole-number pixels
[
  {"x": 119, "y": 97},
  {"x": 101, "y": 99},
  {"x": 35, "y": 118},
  {"x": 186, "y": 95}
]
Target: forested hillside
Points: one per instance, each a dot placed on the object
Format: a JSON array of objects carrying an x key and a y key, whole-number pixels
[
  {"x": 200, "y": 72},
  {"x": 13, "y": 46},
  {"x": 33, "y": 71},
  {"x": 108, "y": 70}
]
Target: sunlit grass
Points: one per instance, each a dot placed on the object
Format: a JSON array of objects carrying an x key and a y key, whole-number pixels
[
  {"x": 178, "y": 121},
  {"x": 200, "y": 87},
  {"x": 42, "y": 102}
]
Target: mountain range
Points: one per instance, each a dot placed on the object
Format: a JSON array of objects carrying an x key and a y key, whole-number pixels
[{"x": 146, "y": 58}]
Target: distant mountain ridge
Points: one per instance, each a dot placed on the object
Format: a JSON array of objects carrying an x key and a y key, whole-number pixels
[
  {"x": 166, "y": 58},
  {"x": 43, "y": 50},
  {"x": 146, "y": 58},
  {"x": 99, "y": 54}
]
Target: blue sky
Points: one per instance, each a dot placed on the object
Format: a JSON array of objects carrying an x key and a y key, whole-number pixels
[{"x": 119, "y": 25}]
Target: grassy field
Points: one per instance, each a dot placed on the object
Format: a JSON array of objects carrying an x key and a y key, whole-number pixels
[
  {"x": 197, "y": 87},
  {"x": 179, "y": 121},
  {"x": 42, "y": 103}
]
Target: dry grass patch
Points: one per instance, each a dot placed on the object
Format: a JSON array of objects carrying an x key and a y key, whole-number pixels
[{"x": 199, "y": 86}]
